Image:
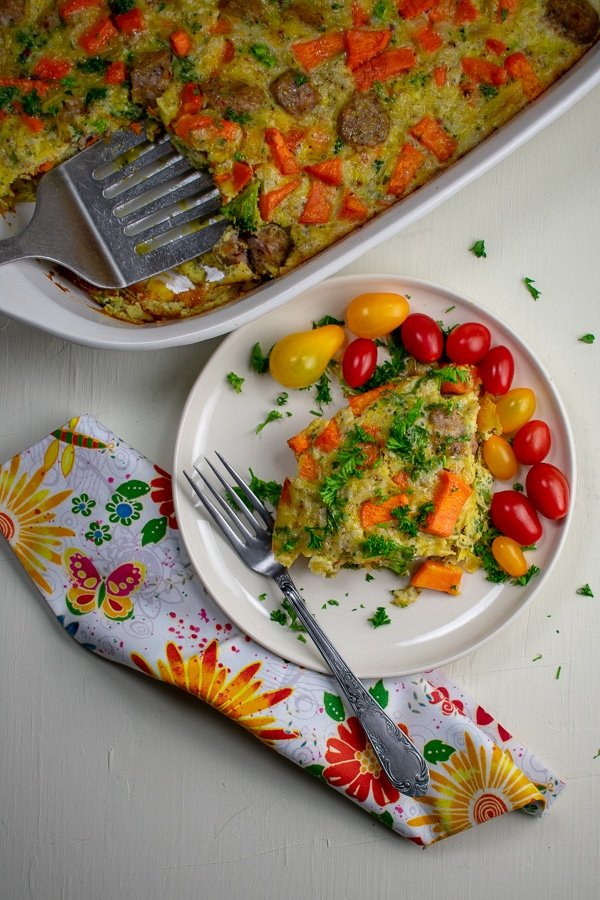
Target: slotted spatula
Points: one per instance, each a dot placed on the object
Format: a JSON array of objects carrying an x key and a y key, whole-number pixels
[{"x": 121, "y": 211}]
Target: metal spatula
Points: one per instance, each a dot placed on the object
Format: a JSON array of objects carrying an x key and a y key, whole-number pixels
[{"x": 121, "y": 211}]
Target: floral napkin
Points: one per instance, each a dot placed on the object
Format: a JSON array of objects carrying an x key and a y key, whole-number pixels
[{"x": 92, "y": 523}]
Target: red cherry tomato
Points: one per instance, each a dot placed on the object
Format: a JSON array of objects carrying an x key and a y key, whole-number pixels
[
  {"x": 548, "y": 490},
  {"x": 532, "y": 442},
  {"x": 422, "y": 337},
  {"x": 515, "y": 516},
  {"x": 497, "y": 369},
  {"x": 468, "y": 343},
  {"x": 359, "y": 361}
]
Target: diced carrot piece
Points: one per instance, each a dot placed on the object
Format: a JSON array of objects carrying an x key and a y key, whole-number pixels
[
  {"x": 282, "y": 155},
  {"x": 70, "y": 7},
  {"x": 352, "y": 208},
  {"x": 483, "y": 71},
  {"x": 26, "y": 85},
  {"x": 359, "y": 402},
  {"x": 241, "y": 174},
  {"x": 190, "y": 99},
  {"x": 434, "y": 137},
  {"x": 98, "y": 36},
  {"x": 50, "y": 69},
  {"x": 221, "y": 26},
  {"x": 34, "y": 123},
  {"x": 229, "y": 130},
  {"x": 130, "y": 22},
  {"x": 137, "y": 128},
  {"x": 181, "y": 43},
  {"x": 410, "y": 9},
  {"x": 45, "y": 167},
  {"x": 428, "y": 39},
  {"x": 330, "y": 437},
  {"x": 311, "y": 54},
  {"x": 362, "y": 44},
  {"x": 319, "y": 205},
  {"x": 373, "y": 512},
  {"x": 385, "y": 66},
  {"x": 285, "y": 498},
  {"x": 116, "y": 73},
  {"x": 437, "y": 576},
  {"x": 308, "y": 467},
  {"x": 192, "y": 122},
  {"x": 401, "y": 480},
  {"x": 518, "y": 67},
  {"x": 408, "y": 163},
  {"x": 293, "y": 137},
  {"x": 359, "y": 15},
  {"x": 451, "y": 494},
  {"x": 465, "y": 12},
  {"x": 329, "y": 171},
  {"x": 268, "y": 202},
  {"x": 462, "y": 387},
  {"x": 371, "y": 453},
  {"x": 439, "y": 75},
  {"x": 228, "y": 51},
  {"x": 496, "y": 46},
  {"x": 505, "y": 8},
  {"x": 299, "y": 443}
]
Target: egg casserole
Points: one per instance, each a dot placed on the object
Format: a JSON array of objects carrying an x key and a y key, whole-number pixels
[
  {"x": 313, "y": 117},
  {"x": 393, "y": 479}
]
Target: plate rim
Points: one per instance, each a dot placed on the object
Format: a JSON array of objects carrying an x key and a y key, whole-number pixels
[{"x": 409, "y": 282}]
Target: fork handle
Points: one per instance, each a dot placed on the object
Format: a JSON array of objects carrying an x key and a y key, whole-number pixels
[{"x": 399, "y": 758}]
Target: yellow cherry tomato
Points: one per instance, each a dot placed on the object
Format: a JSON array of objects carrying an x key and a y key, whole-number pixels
[
  {"x": 375, "y": 315},
  {"x": 515, "y": 408},
  {"x": 500, "y": 458},
  {"x": 509, "y": 556},
  {"x": 298, "y": 360}
]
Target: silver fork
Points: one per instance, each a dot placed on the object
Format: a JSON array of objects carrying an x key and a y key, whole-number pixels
[
  {"x": 250, "y": 531},
  {"x": 121, "y": 211}
]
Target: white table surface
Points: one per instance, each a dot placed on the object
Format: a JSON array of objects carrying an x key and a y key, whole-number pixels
[{"x": 114, "y": 787}]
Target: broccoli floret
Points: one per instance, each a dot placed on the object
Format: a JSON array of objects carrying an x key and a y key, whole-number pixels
[{"x": 243, "y": 209}]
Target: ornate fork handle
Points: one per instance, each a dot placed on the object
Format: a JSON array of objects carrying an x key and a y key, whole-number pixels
[{"x": 397, "y": 755}]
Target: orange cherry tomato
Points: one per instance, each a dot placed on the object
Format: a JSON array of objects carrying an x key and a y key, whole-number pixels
[
  {"x": 298, "y": 360},
  {"x": 509, "y": 556},
  {"x": 500, "y": 458},
  {"x": 375, "y": 315},
  {"x": 515, "y": 408}
]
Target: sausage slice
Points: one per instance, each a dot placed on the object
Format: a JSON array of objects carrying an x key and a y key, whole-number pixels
[
  {"x": 224, "y": 93},
  {"x": 150, "y": 76},
  {"x": 576, "y": 20},
  {"x": 294, "y": 93},
  {"x": 268, "y": 249},
  {"x": 364, "y": 121}
]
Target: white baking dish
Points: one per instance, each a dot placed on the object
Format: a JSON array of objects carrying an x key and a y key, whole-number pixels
[{"x": 29, "y": 294}]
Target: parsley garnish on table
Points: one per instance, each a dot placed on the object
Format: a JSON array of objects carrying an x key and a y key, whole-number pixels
[
  {"x": 478, "y": 249},
  {"x": 587, "y": 338},
  {"x": 585, "y": 591},
  {"x": 235, "y": 381},
  {"x": 530, "y": 285}
]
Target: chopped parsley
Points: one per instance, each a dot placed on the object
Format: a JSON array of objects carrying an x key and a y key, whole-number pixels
[
  {"x": 7, "y": 94},
  {"x": 93, "y": 65},
  {"x": 531, "y": 572},
  {"x": 396, "y": 556},
  {"x": 411, "y": 441},
  {"x": 347, "y": 462},
  {"x": 300, "y": 79},
  {"x": 265, "y": 490},
  {"x": 279, "y": 616},
  {"x": 369, "y": 578},
  {"x": 338, "y": 145},
  {"x": 31, "y": 103},
  {"x": 235, "y": 381},
  {"x": 450, "y": 308},
  {"x": 316, "y": 536},
  {"x": 530, "y": 285},
  {"x": 327, "y": 320},
  {"x": 405, "y": 523},
  {"x": 323, "y": 390},
  {"x": 259, "y": 362},
  {"x": 558, "y": 671},
  {"x": 488, "y": 91},
  {"x": 282, "y": 398},
  {"x": 272, "y": 416},
  {"x": 389, "y": 369},
  {"x": 118, "y": 7},
  {"x": 264, "y": 55},
  {"x": 380, "y": 9},
  {"x": 587, "y": 338},
  {"x": 286, "y": 616},
  {"x": 379, "y": 618},
  {"x": 535, "y": 658},
  {"x": 483, "y": 551},
  {"x": 517, "y": 486},
  {"x": 478, "y": 249},
  {"x": 585, "y": 591},
  {"x": 242, "y": 118},
  {"x": 452, "y": 374},
  {"x": 423, "y": 512}
]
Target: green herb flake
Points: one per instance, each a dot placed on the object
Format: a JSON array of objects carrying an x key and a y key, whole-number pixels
[
  {"x": 585, "y": 591},
  {"x": 379, "y": 618},
  {"x": 259, "y": 362},
  {"x": 327, "y": 320},
  {"x": 536, "y": 658},
  {"x": 316, "y": 536},
  {"x": 262, "y": 597},
  {"x": 282, "y": 398},
  {"x": 279, "y": 616},
  {"x": 272, "y": 416},
  {"x": 241, "y": 118},
  {"x": 338, "y": 145},
  {"x": 558, "y": 671},
  {"x": 478, "y": 249},
  {"x": 531, "y": 572},
  {"x": 235, "y": 381},
  {"x": 488, "y": 91},
  {"x": 517, "y": 486},
  {"x": 530, "y": 285},
  {"x": 323, "y": 390},
  {"x": 300, "y": 637},
  {"x": 264, "y": 55},
  {"x": 369, "y": 578},
  {"x": 450, "y": 308},
  {"x": 587, "y": 338}
]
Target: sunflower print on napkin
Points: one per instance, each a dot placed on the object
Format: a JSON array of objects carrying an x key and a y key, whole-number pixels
[{"x": 92, "y": 522}]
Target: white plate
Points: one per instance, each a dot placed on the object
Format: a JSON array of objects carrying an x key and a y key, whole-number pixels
[
  {"x": 437, "y": 628},
  {"x": 54, "y": 305}
]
